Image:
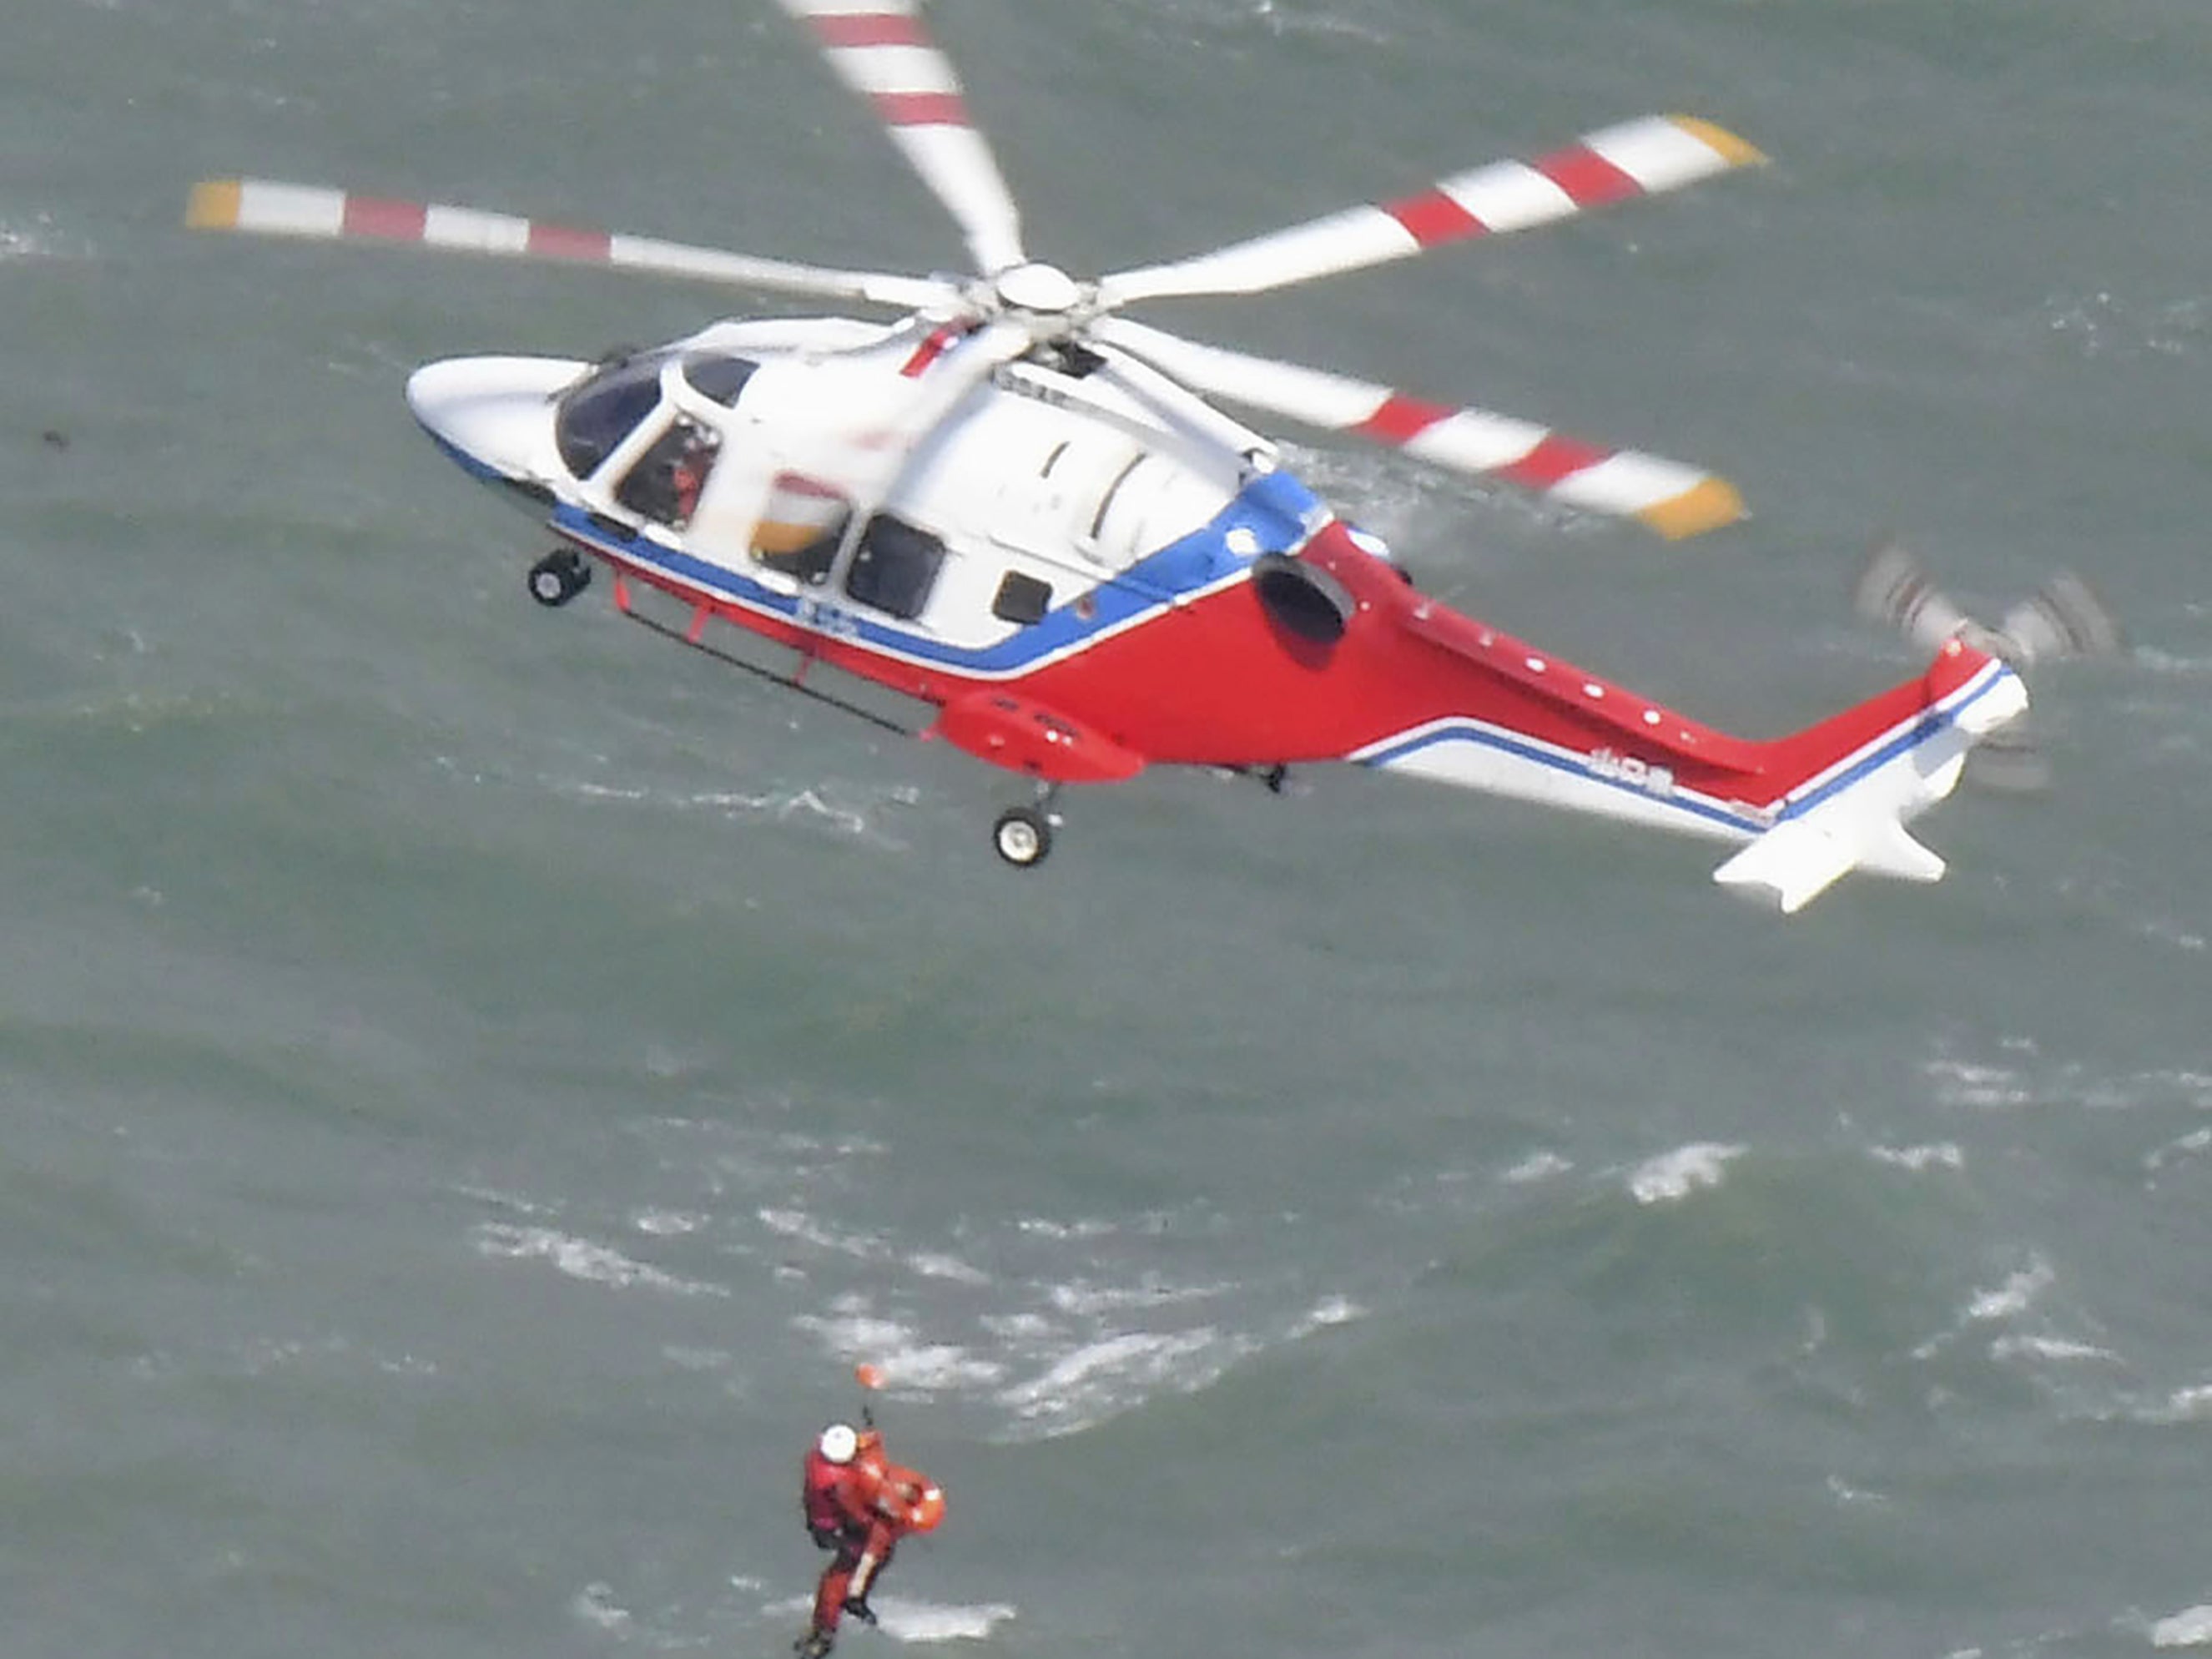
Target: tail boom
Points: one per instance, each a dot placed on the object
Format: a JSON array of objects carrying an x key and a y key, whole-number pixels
[{"x": 1809, "y": 807}]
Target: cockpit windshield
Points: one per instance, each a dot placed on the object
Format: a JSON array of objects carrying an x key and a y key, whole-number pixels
[
  {"x": 712, "y": 374},
  {"x": 603, "y": 408}
]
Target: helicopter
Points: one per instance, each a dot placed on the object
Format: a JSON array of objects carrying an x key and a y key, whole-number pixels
[{"x": 1013, "y": 519}]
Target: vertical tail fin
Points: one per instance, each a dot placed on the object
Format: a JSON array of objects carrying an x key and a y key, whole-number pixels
[{"x": 1842, "y": 791}]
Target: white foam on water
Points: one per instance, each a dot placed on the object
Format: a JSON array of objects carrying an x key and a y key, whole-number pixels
[
  {"x": 2156, "y": 661},
  {"x": 932, "y": 1264},
  {"x": 1537, "y": 1166},
  {"x": 1945, "y": 1153},
  {"x": 1963, "y": 1083},
  {"x": 2048, "y": 1347},
  {"x": 936, "y": 1621},
  {"x": 2016, "y": 1296},
  {"x": 1100, "y": 1379},
  {"x": 906, "y": 1619},
  {"x": 579, "y": 1258},
  {"x": 826, "y": 803},
  {"x": 1045, "y": 1228},
  {"x": 797, "y": 1224},
  {"x": 1844, "y": 1493},
  {"x": 893, "y": 1348},
  {"x": 1672, "y": 1176},
  {"x": 1080, "y": 1296},
  {"x": 595, "y": 1605},
  {"x": 2189, "y": 1405},
  {"x": 1329, "y": 1310},
  {"x": 20, "y": 242},
  {"x": 2190, "y": 1628}
]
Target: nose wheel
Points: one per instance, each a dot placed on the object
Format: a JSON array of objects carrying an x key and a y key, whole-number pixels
[
  {"x": 1023, "y": 835},
  {"x": 559, "y": 576}
]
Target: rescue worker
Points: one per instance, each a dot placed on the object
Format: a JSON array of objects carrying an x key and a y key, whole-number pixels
[{"x": 852, "y": 1511}]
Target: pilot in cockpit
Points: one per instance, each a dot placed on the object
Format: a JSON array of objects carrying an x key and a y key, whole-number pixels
[{"x": 665, "y": 483}]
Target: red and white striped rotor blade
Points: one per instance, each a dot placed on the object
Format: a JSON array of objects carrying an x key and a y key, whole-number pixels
[
  {"x": 1669, "y": 497},
  {"x": 880, "y": 49},
  {"x": 316, "y": 213},
  {"x": 1636, "y": 158}
]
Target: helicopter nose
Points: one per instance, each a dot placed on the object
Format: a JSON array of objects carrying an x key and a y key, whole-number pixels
[{"x": 493, "y": 415}]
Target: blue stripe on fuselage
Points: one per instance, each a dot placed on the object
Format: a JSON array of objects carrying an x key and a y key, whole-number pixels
[
  {"x": 1925, "y": 726},
  {"x": 1273, "y": 509}
]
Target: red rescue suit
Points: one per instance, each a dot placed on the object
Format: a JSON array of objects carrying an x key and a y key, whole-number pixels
[{"x": 859, "y": 1509}]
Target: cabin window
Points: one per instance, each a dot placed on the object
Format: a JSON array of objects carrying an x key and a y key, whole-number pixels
[
  {"x": 1022, "y": 599},
  {"x": 602, "y": 410},
  {"x": 801, "y": 527},
  {"x": 713, "y": 375},
  {"x": 895, "y": 567},
  {"x": 665, "y": 484}
]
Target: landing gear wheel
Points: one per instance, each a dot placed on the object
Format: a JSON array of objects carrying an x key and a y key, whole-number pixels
[
  {"x": 559, "y": 577},
  {"x": 1023, "y": 835}
]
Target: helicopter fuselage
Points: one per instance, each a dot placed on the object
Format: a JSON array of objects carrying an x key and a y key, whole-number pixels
[{"x": 1074, "y": 584}]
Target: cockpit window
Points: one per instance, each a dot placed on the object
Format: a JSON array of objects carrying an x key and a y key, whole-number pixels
[
  {"x": 666, "y": 483},
  {"x": 598, "y": 413},
  {"x": 713, "y": 375}
]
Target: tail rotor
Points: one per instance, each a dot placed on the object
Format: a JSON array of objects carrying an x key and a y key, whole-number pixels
[{"x": 2063, "y": 620}]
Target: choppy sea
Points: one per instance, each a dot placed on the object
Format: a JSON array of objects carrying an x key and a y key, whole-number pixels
[{"x": 473, "y": 1080}]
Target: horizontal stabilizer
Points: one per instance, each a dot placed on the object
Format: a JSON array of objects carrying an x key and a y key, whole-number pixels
[
  {"x": 1794, "y": 863},
  {"x": 1851, "y": 814}
]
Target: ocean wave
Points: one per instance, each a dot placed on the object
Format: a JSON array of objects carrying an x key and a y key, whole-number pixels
[
  {"x": 936, "y": 1264},
  {"x": 1076, "y": 1389},
  {"x": 938, "y": 1621},
  {"x": 2190, "y": 1628},
  {"x": 894, "y": 1349},
  {"x": 579, "y": 1258},
  {"x": 1966, "y": 1083},
  {"x": 2106, "y": 324},
  {"x": 1329, "y": 1310},
  {"x": 2153, "y": 660},
  {"x": 1537, "y": 1166},
  {"x": 1672, "y": 1176},
  {"x": 2176, "y": 1151},
  {"x": 594, "y": 1605},
  {"x": 2048, "y": 1347},
  {"x": 798, "y": 1225},
  {"x": 1046, "y": 1228},
  {"x": 905, "y": 1620},
  {"x": 852, "y": 813},
  {"x": 22, "y": 243},
  {"x": 2016, "y": 1296},
  {"x": 1081, "y": 1296},
  {"x": 1277, "y": 16},
  {"x": 2192, "y": 1404},
  {"x": 1918, "y": 1158},
  {"x": 2027, "y": 1080}
]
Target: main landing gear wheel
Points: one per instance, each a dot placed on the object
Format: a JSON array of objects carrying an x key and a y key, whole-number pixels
[
  {"x": 1023, "y": 835},
  {"x": 559, "y": 577}
]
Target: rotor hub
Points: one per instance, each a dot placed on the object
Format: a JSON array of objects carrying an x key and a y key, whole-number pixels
[{"x": 1044, "y": 289}]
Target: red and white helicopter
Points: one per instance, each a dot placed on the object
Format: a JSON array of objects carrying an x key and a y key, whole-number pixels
[{"x": 1012, "y": 520}]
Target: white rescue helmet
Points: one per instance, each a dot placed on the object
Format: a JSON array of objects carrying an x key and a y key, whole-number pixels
[{"x": 838, "y": 1442}]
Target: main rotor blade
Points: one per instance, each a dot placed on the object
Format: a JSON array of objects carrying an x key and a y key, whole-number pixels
[
  {"x": 880, "y": 49},
  {"x": 1672, "y": 499},
  {"x": 1636, "y": 158},
  {"x": 314, "y": 212}
]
